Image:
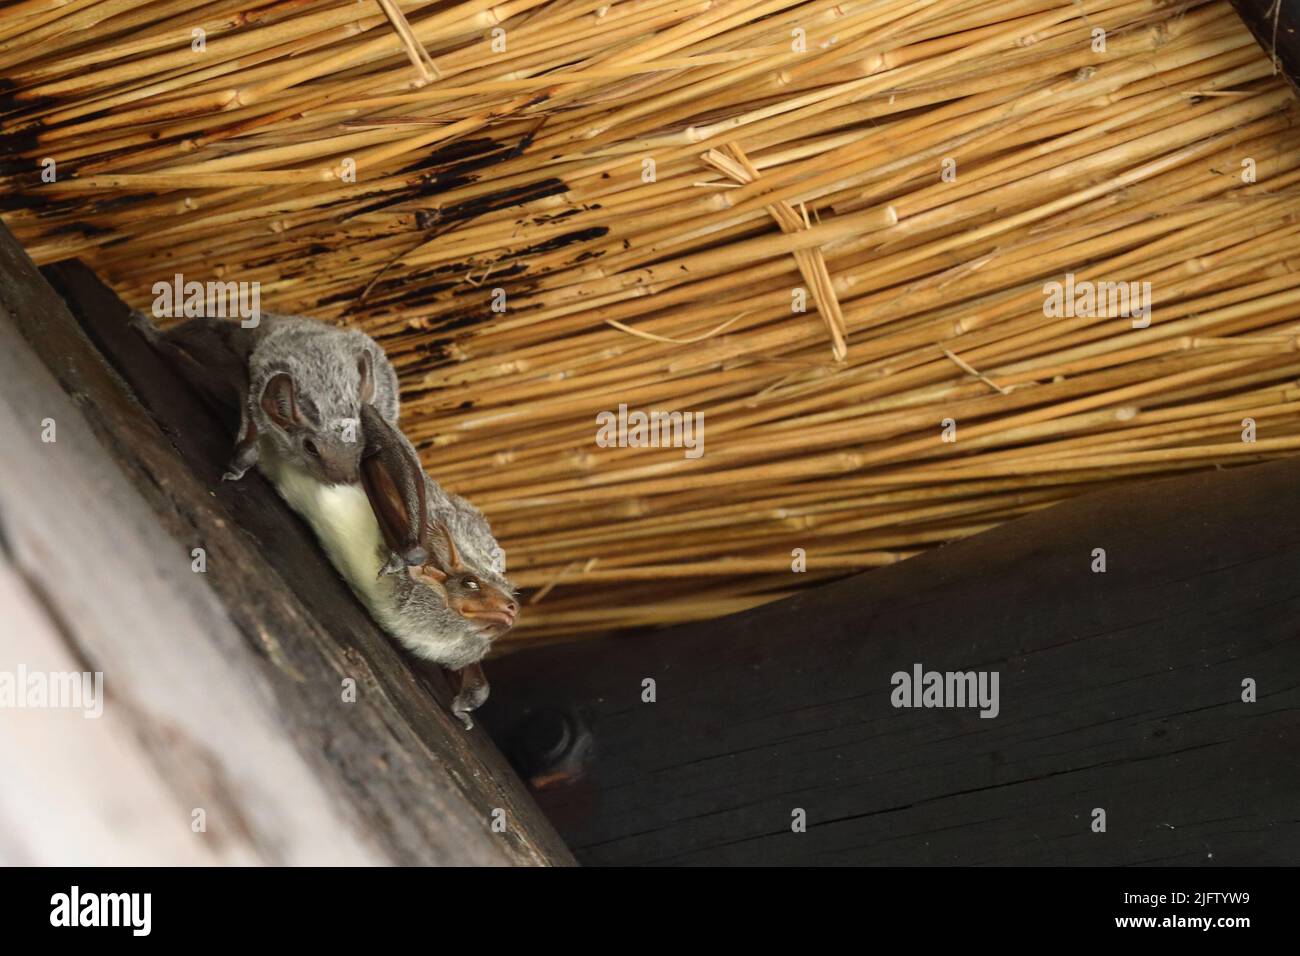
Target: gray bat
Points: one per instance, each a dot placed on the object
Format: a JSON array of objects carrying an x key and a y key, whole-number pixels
[
  {"x": 451, "y": 603},
  {"x": 298, "y": 383},
  {"x": 420, "y": 559}
]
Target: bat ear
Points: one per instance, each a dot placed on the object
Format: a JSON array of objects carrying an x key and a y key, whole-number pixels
[
  {"x": 280, "y": 401},
  {"x": 429, "y": 574},
  {"x": 439, "y": 530},
  {"x": 366, "y": 370},
  {"x": 435, "y": 570},
  {"x": 394, "y": 482}
]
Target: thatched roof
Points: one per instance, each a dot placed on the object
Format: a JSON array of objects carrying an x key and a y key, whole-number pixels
[{"x": 546, "y": 210}]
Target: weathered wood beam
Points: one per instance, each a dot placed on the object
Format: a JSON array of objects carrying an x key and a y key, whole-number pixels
[
  {"x": 1274, "y": 24},
  {"x": 1118, "y": 690},
  {"x": 226, "y": 690}
]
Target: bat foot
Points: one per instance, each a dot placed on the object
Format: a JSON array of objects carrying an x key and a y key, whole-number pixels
[
  {"x": 245, "y": 458},
  {"x": 400, "y": 562},
  {"x": 474, "y": 691}
]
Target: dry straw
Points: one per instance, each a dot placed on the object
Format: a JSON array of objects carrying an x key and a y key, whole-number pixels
[{"x": 649, "y": 188}]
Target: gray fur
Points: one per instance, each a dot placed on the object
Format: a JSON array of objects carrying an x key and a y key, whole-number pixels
[
  {"x": 326, "y": 357},
  {"x": 234, "y": 364},
  {"x": 322, "y": 362},
  {"x": 451, "y": 640},
  {"x": 448, "y": 638}
]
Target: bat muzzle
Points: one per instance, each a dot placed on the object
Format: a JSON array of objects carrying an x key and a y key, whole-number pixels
[{"x": 493, "y": 622}]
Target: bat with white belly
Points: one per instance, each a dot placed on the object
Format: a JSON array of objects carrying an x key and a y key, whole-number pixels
[{"x": 298, "y": 383}]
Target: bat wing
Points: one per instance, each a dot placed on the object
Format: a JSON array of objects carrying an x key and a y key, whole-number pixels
[{"x": 204, "y": 351}]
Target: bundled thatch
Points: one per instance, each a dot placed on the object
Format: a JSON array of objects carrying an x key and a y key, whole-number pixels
[{"x": 649, "y": 188}]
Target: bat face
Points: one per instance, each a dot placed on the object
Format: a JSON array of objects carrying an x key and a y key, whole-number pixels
[
  {"x": 490, "y": 608},
  {"x": 332, "y": 455},
  {"x": 332, "y": 460},
  {"x": 480, "y": 602}
]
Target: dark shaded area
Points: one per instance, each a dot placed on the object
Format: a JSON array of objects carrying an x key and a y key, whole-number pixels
[
  {"x": 1274, "y": 23},
  {"x": 1119, "y": 690}
]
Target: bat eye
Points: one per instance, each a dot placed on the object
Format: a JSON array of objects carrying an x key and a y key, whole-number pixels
[
  {"x": 471, "y": 584},
  {"x": 310, "y": 447}
]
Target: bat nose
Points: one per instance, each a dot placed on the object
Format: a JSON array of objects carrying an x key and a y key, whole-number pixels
[{"x": 512, "y": 608}]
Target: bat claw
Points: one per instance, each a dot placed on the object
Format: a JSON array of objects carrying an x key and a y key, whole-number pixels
[
  {"x": 473, "y": 692},
  {"x": 245, "y": 456},
  {"x": 398, "y": 562},
  {"x": 392, "y": 565}
]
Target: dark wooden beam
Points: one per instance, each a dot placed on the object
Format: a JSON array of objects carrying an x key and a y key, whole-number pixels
[
  {"x": 226, "y": 689},
  {"x": 1119, "y": 690},
  {"x": 1274, "y": 24}
]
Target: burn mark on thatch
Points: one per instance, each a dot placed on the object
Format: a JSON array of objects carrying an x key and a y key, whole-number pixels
[
  {"x": 569, "y": 238},
  {"x": 440, "y": 334},
  {"x": 517, "y": 196},
  {"x": 18, "y": 143},
  {"x": 110, "y": 203},
  {"x": 427, "y": 219},
  {"x": 445, "y": 326},
  {"x": 18, "y": 198},
  {"x": 542, "y": 219},
  {"x": 29, "y": 191},
  {"x": 45, "y": 204},
  {"x": 411, "y": 294},
  {"x": 457, "y": 151},
  {"x": 406, "y": 291},
  {"x": 13, "y": 103},
  {"x": 90, "y": 229},
  {"x": 459, "y": 164},
  {"x": 391, "y": 199},
  {"x": 14, "y": 201}
]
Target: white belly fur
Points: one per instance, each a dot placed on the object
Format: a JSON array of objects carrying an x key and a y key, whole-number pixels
[
  {"x": 345, "y": 525},
  {"x": 341, "y": 517}
]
